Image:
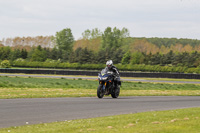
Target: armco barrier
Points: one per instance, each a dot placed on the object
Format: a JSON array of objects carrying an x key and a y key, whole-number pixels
[
  {"x": 95, "y": 73},
  {"x": 160, "y": 75}
]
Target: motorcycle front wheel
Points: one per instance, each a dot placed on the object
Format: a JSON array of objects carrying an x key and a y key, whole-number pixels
[{"x": 100, "y": 92}]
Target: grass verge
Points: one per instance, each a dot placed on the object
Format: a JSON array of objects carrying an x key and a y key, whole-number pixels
[
  {"x": 173, "y": 121},
  {"x": 20, "y": 87},
  {"x": 7, "y": 93}
]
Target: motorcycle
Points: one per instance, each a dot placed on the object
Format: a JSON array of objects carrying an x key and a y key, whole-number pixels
[{"x": 107, "y": 84}]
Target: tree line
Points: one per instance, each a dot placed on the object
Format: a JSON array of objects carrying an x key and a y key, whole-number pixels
[{"x": 96, "y": 47}]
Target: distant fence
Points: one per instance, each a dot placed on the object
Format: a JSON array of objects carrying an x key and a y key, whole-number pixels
[{"x": 95, "y": 73}]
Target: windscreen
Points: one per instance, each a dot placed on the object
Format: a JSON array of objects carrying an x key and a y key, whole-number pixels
[{"x": 106, "y": 71}]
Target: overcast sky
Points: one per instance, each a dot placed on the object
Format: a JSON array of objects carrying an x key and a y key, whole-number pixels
[{"x": 143, "y": 18}]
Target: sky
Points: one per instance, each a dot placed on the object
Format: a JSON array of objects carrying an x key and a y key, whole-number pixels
[{"x": 143, "y": 18}]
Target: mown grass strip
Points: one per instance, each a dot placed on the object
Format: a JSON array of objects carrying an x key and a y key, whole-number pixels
[
  {"x": 19, "y": 82},
  {"x": 173, "y": 121},
  {"x": 19, "y": 87},
  {"x": 7, "y": 93}
]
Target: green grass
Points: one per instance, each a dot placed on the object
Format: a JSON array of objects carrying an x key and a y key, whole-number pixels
[
  {"x": 20, "y": 82},
  {"x": 173, "y": 121},
  {"x": 20, "y": 87}
]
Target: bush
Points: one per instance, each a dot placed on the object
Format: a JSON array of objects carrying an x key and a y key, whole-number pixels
[
  {"x": 5, "y": 64},
  {"x": 127, "y": 67}
]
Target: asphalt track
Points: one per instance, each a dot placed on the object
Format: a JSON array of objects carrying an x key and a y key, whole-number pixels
[
  {"x": 16, "y": 112},
  {"x": 93, "y": 78}
]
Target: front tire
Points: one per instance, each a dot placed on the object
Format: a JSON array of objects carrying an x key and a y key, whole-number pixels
[
  {"x": 100, "y": 92},
  {"x": 116, "y": 92}
]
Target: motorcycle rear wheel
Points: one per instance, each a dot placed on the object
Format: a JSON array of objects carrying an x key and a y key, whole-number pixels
[
  {"x": 100, "y": 92},
  {"x": 116, "y": 92}
]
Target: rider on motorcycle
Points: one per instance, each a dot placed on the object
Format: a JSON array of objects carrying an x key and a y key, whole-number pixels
[{"x": 111, "y": 67}]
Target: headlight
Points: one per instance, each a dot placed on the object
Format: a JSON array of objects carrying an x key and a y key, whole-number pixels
[{"x": 104, "y": 78}]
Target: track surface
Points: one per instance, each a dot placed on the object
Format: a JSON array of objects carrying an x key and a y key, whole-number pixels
[
  {"x": 16, "y": 112},
  {"x": 88, "y": 77}
]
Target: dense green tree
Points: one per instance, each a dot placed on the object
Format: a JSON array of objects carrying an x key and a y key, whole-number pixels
[
  {"x": 107, "y": 38},
  {"x": 113, "y": 38},
  {"x": 137, "y": 58},
  {"x": 126, "y": 58},
  {"x": 39, "y": 54},
  {"x": 15, "y": 54},
  {"x": 147, "y": 58},
  {"x": 196, "y": 59},
  {"x": 82, "y": 56},
  {"x": 86, "y": 34},
  {"x": 101, "y": 57},
  {"x": 185, "y": 59},
  {"x": 95, "y": 33},
  {"x": 5, "y": 53},
  {"x": 117, "y": 55},
  {"x": 191, "y": 59},
  {"x": 178, "y": 60},
  {"x": 64, "y": 41},
  {"x": 30, "y": 53},
  {"x": 156, "y": 59},
  {"x": 24, "y": 54},
  {"x": 48, "y": 52},
  {"x": 91, "y": 34},
  {"x": 85, "y": 56},
  {"x": 55, "y": 54},
  {"x": 168, "y": 58},
  {"x": 72, "y": 58}
]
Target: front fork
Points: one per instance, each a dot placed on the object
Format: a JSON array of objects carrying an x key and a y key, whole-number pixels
[{"x": 103, "y": 86}]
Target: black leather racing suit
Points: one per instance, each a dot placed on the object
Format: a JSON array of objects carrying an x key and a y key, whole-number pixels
[{"x": 116, "y": 74}]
